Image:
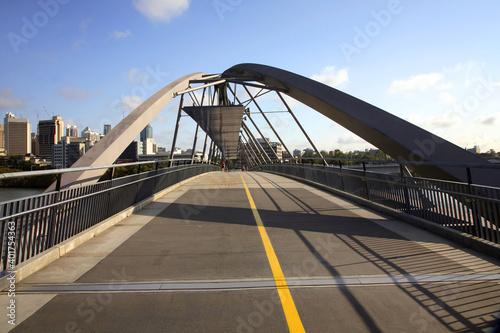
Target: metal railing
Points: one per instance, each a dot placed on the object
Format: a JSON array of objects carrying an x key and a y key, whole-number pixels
[
  {"x": 469, "y": 208},
  {"x": 34, "y": 224}
]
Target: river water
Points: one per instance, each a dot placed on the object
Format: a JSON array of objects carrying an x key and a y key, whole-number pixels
[{"x": 13, "y": 193}]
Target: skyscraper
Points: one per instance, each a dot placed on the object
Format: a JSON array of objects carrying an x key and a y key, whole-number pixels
[
  {"x": 49, "y": 134},
  {"x": 72, "y": 131},
  {"x": 2, "y": 139},
  {"x": 17, "y": 135},
  {"x": 147, "y": 140},
  {"x": 107, "y": 129},
  {"x": 146, "y": 133}
]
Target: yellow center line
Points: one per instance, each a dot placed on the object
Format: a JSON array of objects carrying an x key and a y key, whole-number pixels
[{"x": 291, "y": 314}]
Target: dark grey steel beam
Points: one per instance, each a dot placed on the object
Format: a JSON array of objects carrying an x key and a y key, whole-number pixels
[
  {"x": 302, "y": 129},
  {"x": 395, "y": 136},
  {"x": 256, "y": 127},
  {"x": 268, "y": 122},
  {"x": 176, "y": 131},
  {"x": 256, "y": 142}
]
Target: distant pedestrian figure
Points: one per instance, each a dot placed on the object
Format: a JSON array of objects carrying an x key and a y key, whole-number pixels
[
  {"x": 223, "y": 167},
  {"x": 243, "y": 168}
]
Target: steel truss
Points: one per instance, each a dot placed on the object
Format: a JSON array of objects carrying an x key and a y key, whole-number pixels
[{"x": 214, "y": 90}]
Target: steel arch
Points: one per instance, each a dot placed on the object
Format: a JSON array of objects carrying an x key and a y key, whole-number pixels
[{"x": 400, "y": 139}]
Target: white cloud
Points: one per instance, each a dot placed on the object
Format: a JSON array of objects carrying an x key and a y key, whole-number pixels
[
  {"x": 445, "y": 86},
  {"x": 121, "y": 34},
  {"x": 417, "y": 82},
  {"x": 161, "y": 118},
  {"x": 130, "y": 103},
  {"x": 9, "y": 102},
  {"x": 280, "y": 123},
  {"x": 134, "y": 76},
  {"x": 73, "y": 93},
  {"x": 329, "y": 77},
  {"x": 161, "y": 10},
  {"x": 493, "y": 119},
  {"x": 71, "y": 122},
  {"x": 447, "y": 97},
  {"x": 445, "y": 120},
  {"x": 350, "y": 139}
]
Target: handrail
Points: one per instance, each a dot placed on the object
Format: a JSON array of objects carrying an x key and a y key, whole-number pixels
[
  {"x": 458, "y": 165},
  {"x": 466, "y": 207},
  {"x": 42, "y": 221},
  {"x": 10, "y": 175}
]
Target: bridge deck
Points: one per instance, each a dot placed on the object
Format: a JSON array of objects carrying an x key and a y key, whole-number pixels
[{"x": 195, "y": 261}]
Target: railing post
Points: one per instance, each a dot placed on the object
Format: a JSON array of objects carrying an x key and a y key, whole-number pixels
[
  {"x": 476, "y": 218},
  {"x": 341, "y": 177},
  {"x": 54, "y": 212},
  {"x": 367, "y": 188},
  {"x": 405, "y": 189}
]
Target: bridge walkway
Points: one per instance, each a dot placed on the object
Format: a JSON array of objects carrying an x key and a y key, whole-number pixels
[{"x": 197, "y": 261}]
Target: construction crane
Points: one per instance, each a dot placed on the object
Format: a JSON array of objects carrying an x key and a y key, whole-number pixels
[{"x": 47, "y": 112}]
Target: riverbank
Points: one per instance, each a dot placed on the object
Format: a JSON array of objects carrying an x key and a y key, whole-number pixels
[{"x": 13, "y": 193}]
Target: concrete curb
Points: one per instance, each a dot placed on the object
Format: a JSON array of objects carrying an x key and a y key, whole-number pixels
[
  {"x": 466, "y": 240},
  {"x": 41, "y": 260}
]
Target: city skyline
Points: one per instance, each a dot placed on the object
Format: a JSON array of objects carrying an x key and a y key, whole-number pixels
[
  {"x": 147, "y": 133},
  {"x": 418, "y": 61}
]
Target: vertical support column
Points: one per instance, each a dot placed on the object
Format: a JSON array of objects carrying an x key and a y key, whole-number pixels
[
  {"x": 176, "y": 130},
  {"x": 210, "y": 152},
  {"x": 302, "y": 129},
  {"x": 204, "y": 149},
  {"x": 194, "y": 143}
]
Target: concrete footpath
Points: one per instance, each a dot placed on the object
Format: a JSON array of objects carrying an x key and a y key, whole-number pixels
[{"x": 195, "y": 261}]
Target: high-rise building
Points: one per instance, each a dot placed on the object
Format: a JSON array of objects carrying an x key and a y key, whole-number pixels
[
  {"x": 34, "y": 144},
  {"x": 149, "y": 146},
  {"x": 72, "y": 131},
  {"x": 17, "y": 135},
  {"x": 132, "y": 152},
  {"x": 90, "y": 135},
  {"x": 107, "y": 129},
  {"x": 146, "y": 133},
  {"x": 50, "y": 133},
  {"x": 2, "y": 139},
  {"x": 65, "y": 153},
  {"x": 275, "y": 146},
  {"x": 147, "y": 140}
]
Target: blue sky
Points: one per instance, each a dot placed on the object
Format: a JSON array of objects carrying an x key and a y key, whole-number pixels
[{"x": 434, "y": 63}]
